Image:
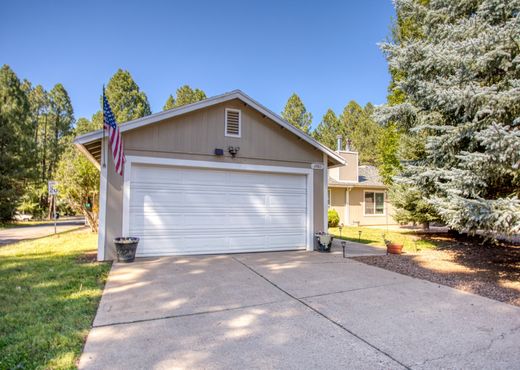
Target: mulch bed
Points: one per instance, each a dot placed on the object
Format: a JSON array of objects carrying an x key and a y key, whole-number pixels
[{"x": 468, "y": 264}]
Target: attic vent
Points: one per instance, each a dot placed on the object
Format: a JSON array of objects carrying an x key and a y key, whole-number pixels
[{"x": 233, "y": 122}]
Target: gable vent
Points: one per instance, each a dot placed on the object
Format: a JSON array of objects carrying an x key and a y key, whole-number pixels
[{"x": 233, "y": 122}]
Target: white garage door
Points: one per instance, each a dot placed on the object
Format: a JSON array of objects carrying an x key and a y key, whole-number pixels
[{"x": 181, "y": 210}]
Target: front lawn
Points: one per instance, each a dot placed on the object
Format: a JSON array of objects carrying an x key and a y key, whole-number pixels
[
  {"x": 374, "y": 237},
  {"x": 49, "y": 292}
]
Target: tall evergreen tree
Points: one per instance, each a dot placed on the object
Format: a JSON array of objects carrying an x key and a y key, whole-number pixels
[
  {"x": 61, "y": 121},
  {"x": 460, "y": 86},
  {"x": 127, "y": 101},
  {"x": 170, "y": 103},
  {"x": 361, "y": 130},
  {"x": 16, "y": 141},
  {"x": 296, "y": 114},
  {"x": 329, "y": 129},
  {"x": 184, "y": 95}
]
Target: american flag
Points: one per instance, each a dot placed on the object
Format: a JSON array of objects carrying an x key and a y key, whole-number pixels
[{"x": 114, "y": 136}]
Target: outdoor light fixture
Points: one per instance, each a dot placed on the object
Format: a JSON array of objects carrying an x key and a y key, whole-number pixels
[{"x": 233, "y": 150}]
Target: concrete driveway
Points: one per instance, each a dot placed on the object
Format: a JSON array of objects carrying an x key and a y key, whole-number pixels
[{"x": 292, "y": 310}]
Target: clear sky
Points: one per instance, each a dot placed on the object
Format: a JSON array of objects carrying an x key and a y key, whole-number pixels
[{"x": 325, "y": 51}]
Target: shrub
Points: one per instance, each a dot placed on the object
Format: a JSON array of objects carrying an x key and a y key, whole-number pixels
[{"x": 333, "y": 218}]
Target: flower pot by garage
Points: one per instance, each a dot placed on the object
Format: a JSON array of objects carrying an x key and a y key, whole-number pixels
[
  {"x": 394, "y": 248},
  {"x": 126, "y": 247},
  {"x": 324, "y": 242}
]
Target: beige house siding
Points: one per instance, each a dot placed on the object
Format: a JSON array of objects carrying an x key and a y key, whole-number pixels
[
  {"x": 195, "y": 136},
  {"x": 349, "y": 172},
  {"x": 356, "y": 206}
]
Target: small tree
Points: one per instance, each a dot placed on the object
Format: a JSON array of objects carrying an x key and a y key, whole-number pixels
[{"x": 78, "y": 179}]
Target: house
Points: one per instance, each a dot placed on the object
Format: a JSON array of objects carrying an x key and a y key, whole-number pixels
[
  {"x": 222, "y": 175},
  {"x": 357, "y": 193}
]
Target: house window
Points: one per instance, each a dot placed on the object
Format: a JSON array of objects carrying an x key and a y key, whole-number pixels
[
  {"x": 374, "y": 203},
  {"x": 329, "y": 197},
  {"x": 233, "y": 122}
]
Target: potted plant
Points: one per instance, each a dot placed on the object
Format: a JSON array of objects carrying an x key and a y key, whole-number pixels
[
  {"x": 324, "y": 241},
  {"x": 126, "y": 247},
  {"x": 391, "y": 247}
]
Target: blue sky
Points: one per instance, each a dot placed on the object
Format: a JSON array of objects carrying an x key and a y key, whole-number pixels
[{"x": 324, "y": 51}]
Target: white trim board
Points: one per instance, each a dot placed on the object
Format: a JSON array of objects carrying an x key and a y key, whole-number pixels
[
  {"x": 102, "y": 206},
  {"x": 222, "y": 166}
]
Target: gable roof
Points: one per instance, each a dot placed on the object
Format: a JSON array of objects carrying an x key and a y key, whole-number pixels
[{"x": 83, "y": 141}]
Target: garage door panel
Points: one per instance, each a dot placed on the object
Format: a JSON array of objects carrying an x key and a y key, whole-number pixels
[{"x": 178, "y": 210}]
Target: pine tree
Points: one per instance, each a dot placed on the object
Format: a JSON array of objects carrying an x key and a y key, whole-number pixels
[
  {"x": 61, "y": 121},
  {"x": 328, "y": 129},
  {"x": 170, "y": 103},
  {"x": 362, "y": 131},
  {"x": 296, "y": 114},
  {"x": 127, "y": 101},
  {"x": 460, "y": 86},
  {"x": 184, "y": 95},
  {"x": 16, "y": 141}
]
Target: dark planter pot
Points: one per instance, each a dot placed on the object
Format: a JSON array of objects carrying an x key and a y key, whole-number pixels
[
  {"x": 393, "y": 248},
  {"x": 126, "y": 248},
  {"x": 321, "y": 244}
]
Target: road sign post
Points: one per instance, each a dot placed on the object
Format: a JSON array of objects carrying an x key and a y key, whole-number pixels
[{"x": 53, "y": 190}]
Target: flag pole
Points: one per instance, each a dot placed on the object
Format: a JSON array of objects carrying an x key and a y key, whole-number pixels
[{"x": 103, "y": 151}]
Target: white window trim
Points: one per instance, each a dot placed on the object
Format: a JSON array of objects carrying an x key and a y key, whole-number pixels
[
  {"x": 127, "y": 175},
  {"x": 384, "y": 203},
  {"x": 239, "y": 122},
  {"x": 346, "y": 221}
]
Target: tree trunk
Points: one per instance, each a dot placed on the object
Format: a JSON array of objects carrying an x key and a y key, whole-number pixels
[
  {"x": 91, "y": 219},
  {"x": 426, "y": 225}
]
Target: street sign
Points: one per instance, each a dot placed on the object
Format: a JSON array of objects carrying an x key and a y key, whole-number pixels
[{"x": 53, "y": 190}]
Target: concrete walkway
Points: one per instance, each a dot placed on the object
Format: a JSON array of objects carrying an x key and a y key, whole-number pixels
[
  {"x": 292, "y": 310},
  {"x": 19, "y": 233}
]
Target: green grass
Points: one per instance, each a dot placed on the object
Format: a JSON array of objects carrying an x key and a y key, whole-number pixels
[
  {"x": 49, "y": 292},
  {"x": 374, "y": 237}
]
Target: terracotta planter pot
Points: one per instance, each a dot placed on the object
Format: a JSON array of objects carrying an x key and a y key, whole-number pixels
[{"x": 394, "y": 248}]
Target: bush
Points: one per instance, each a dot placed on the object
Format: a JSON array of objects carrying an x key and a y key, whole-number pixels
[{"x": 333, "y": 218}]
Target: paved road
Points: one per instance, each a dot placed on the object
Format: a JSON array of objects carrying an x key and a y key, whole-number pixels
[
  {"x": 292, "y": 310},
  {"x": 16, "y": 234}
]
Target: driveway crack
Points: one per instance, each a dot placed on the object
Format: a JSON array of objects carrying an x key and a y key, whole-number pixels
[
  {"x": 187, "y": 314},
  {"x": 301, "y": 301}
]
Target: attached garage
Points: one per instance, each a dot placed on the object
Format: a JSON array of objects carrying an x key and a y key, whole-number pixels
[
  {"x": 176, "y": 209},
  {"x": 224, "y": 175}
]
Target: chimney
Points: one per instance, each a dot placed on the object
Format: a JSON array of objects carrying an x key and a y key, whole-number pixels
[
  {"x": 348, "y": 146},
  {"x": 338, "y": 145}
]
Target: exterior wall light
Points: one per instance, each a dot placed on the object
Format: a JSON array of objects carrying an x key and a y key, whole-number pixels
[{"x": 233, "y": 150}]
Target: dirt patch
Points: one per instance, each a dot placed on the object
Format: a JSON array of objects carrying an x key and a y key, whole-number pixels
[
  {"x": 470, "y": 265},
  {"x": 89, "y": 257}
]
